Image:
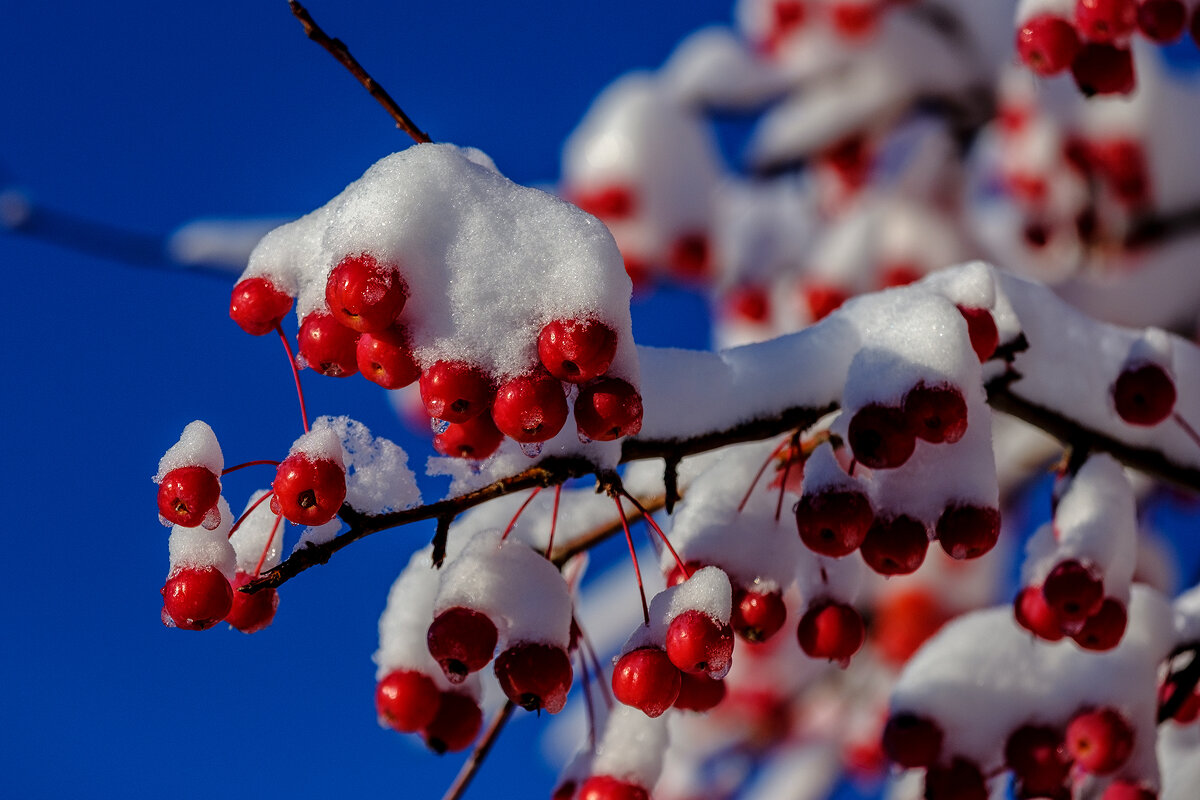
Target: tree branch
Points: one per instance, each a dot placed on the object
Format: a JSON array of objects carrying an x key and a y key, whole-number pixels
[
  {"x": 475, "y": 761},
  {"x": 338, "y": 50}
]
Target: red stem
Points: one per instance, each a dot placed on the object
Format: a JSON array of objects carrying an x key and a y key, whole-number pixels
[
  {"x": 1188, "y": 429},
  {"x": 267, "y": 546},
  {"x": 646, "y": 515},
  {"x": 787, "y": 466},
  {"x": 553, "y": 519},
  {"x": 596, "y": 667},
  {"x": 760, "y": 472},
  {"x": 246, "y": 513},
  {"x": 225, "y": 472},
  {"x": 513, "y": 521},
  {"x": 633, "y": 554},
  {"x": 295, "y": 374}
]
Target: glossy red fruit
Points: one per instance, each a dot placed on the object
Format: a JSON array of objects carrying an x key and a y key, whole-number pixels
[
  {"x": 535, "y": 676},
  {"x": 854, "y": 20},
  {"x": 831, "y": 630},
  {"x": 690, "y": 256},
  {"x": 530, "y": 408},
  {"x": 699, "y": 692},
  {"x": 1035, "y": 615},
  {"x": 1162, "y": 21},
  {"x": 1103, "y": 69},
  {"x": 197, "y": 598},
  {"x": 187, "y": 494},
  {"x": 364, "y": 294},
  {"x": 308, "y": 491},
  {"x": 577, "y": 351},
  {"x": 476, "y": 439},
  {"x": 250, "y": 613},
  {"x": 748, "y": 303},
  {"x": 697, "y": 643},
  {"x": 455, "y": 725},
  {"x": 1074, "y": 591},
  {"x": 757, "y": 616},
  {"x": 851, "y": 160},
  {"x": 904, "y": 619},
  {"x": 604, "y": 787},
  {"x": 676, "y": 576},
  {"x": 936, "y": 414},
  {"x": 1038, "y": 758},
  {"x": 1144, "y": 395},
  {"x": 834, "y": 523},
  {"x": 1047, "y": 44},
  {"x": 788, "y": 16},
  {"x": 981, "y": 327},
  {"x": 462, "y": 641},
  {"x": 455, "y": 391},
  {"x": 257, "y": 306},
  {"x": 608, "y": 409},
  {"x": 386, "y": 358},
  {"x": 899, "y": 273},
  {"x": 328, "y": 346},
  {"x": 821, "y": 300},
  {"x": 895, "y": 546},
  {"x": 614, "y": 202},
  {"x": 968, "y": 531},
  {"x": 880, "y": 437},
  {"x": 1100, "y": 740},
  {"x": 1189, "y": 710},
  {"x": 564, "y": 791},
  {"x": 1104, "y": 629},
  {"x": 407, "y": 700},
  {"x": 959, "y": 780},
  {"x": 912, "y": 741},
  {"x": 1126, "y": 790},
  {"x": 1105, "y": 20},
  {"x": 647, "y": 680}
]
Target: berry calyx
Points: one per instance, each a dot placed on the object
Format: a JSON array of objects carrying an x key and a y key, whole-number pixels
[
  {"x": 647, "y": 680},
  {"x": 455, "y": 391},
  {"x": 1103, "y": 69},
  {"x": 834, "y": 523},
  {"x": 1162, "y": 21},
  {"x": 895, "y": 546},
  {"x": 880, "y": 437},
  {"x": 476, "y": 439},
  {"x": 936, "y": 414},
  {"x": 386, "y": 358},
  {"x": 365, "y": 295},
  {"x": 577, "y": 351},
  {"x": 1047, "y": 44},
  {"x": 462, "y": 641},
  {"x": 1100, "y": 740},
  {"x": 912, "y": 741},
  {"x": 406, "y": 700},
  {"x": 250, "y": 613},
  {"x": 1105, "y": 20},
  {"x": 700, "y": 692},
  {"x": 308, "y": 491},
  {"x": 696, "y": 643},
  {"x": 1073, "y": 591},
  {"x": 530, "y": 408},
  {"x": 981, "y": 328},
  {"x": 1104, "y": 629},
  {"x": 187, "y": 494},
  {"x": 196, "y": 598},
  {"x": 757, "y": 615},
  {"x": 608, "y": 409},
  {"x": 455, "y": 725},
  {"x": 1035, "y": 615},
  {"x": 960, "y": 780},
  {"x": 968, "y": 531},
  {"x": 257, "y": 306},
  {"x": 604, "y": 787},
  {"x": 831, "y": 630},
  {"x": 535, "y": 676},
  {"x": 1038, "y": 759},
  {"x": 1144, "y": 395},
  {"x": 328, "y": 346}
]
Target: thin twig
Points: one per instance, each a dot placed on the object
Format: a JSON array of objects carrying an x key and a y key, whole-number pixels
[
  {"x": 475, "y": 760},
  {"x": 338, "y": 50}
]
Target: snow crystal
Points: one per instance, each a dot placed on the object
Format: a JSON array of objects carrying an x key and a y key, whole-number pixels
[
  {"x": 708, "y": 590},
  {"x": 632, "y": 747},
  {"x": 250, "y": 540},
  {"x": 199, "y": 548},
  {"x": 378, "y": 479},
  {"x": 197, "y": 446},
  {"x": 321, "y": 443}
]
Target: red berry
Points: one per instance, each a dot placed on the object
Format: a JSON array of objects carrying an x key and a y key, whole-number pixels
[
  {"x": 455, "y": 391},
  {"x": 577, "y": 351},
  {"x": 455, "y": 725},
  {"x": 477, "y": 438},
  {"x": 850, "y": 159},
  {"x": 328, "y": 346},
  {"x": 788, "y": 16},
  {"x": 960, "y": 780},
  {"x": 1189, "y": 710},
  {"x": 1035, "y": 615},
  {"x": 936, "y": 414},
  {"x": 834, "y": 523},
  {"x": 386, "y": 358},
  {"x": 967, "y": 531},
  {"x": 647, "y": 680},
  {"x": 1126, "y": 790},
  {"x": 899, "y": 273},
  {"x": 757, "y": 616},
  {"x": 880, "y": 437},
  {"x": 1105, "y": 20},
  {"x": 1073, "y": 591},
  {"x": 530, "y": 408},
  {"x": 981, "y": 327},
  {"x": 676, "y": 576},
  {"x": 1104, "y": 629},
  {"x": 831, "y": 630},
  {"x": 1100, "y": 741},
  {"x": 365, "y": 295},
  {"x": 699, "y": 692},
  {"x": 257, "y": 306},
  {"x": 196, "y": 598},
  {"x": 250, "y": 613},
  {"x": 895, "y": 546},
  {"x": 1103, "y": 69},
  {"x": 854, "y": 20},
  {"x": 1038, "y": 759},
  {"x": 187, "y": 494},
  {"x": 535, "y": 676},
  {"x": 1047, "y": 44},
  {"x": 1122, "y": 163},
  {"x": 603, "y": 787},
  {"x": 749, "y": 303},
  {"x": 308, "y": 491},
  {"x": 697, "y": 643},
  {"x": 564, "y": 791},
  {"x": 407, "y": 700},
  {"x": 607, "y": 202},
  {"x": 462, "y": 641},
  {"x": 912, "y": 741},
  {"x": 608, "y": 409},
  {"x": 1162, "y": 21},
  {"x": 690, "y": 258},
  {"x": 1144, "y": 395},
  {"x": 821, "y": 300}
]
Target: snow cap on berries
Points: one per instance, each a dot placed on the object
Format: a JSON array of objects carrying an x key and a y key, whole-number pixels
[{"x": 197, "y": 447}]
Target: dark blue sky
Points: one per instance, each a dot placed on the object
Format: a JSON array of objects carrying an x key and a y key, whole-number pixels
[{"x": 147, "y": 114}]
